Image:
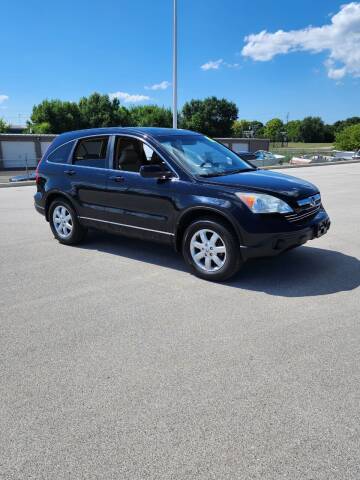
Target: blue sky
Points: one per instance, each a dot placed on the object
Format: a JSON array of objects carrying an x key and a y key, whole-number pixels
[{"x": 121, "y": 47}]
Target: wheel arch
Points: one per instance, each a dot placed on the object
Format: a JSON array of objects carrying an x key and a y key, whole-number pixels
[
  {"x": 198, "y": 213},
  {"x": 53, "y": 196}
]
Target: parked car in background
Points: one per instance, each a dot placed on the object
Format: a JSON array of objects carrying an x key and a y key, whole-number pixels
[
  {"x": 248, "y": 156},
  {"x": 267, "y": 159},
  {"x": 176, "y": 187},
  {"x": 308, "y": 159},
  {"x": 341, "y": 155}
]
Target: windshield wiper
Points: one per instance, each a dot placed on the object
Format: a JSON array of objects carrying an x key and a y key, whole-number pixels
[
  {"x": 241, "y": 170},
  {"x": 206, "y": 175},
  {"x": 229, "y": 172}
]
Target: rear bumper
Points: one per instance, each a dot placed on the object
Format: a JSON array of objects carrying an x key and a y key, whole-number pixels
[
  {"x": 38, "y": 203},
  {"x": 274, "y": 244},
  {"x": 39, "y": 209}
]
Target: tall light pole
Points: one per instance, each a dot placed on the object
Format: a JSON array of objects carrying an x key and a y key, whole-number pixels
[{"x": 175, "y": 64}]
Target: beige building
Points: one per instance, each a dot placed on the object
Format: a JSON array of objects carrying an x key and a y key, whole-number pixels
[
  {"x": 245, "y": 144},
  {"x": 18, "y": 151}
]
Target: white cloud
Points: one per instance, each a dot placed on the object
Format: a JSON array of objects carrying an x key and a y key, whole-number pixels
[
  {"x": 340, "y": 38},
  {"x": 3, "y": 98},
  {"x": 216, "y": 64},
  {"x": 128, "y": 97},
  {"x": 159, "y": 86},
  {"x": 212, "y": 65},
  {"x": 333, "y": 72}
]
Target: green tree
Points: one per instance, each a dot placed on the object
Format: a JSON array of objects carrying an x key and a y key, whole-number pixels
[
  {"x": 58, "y": 115},
  {"x": 258, "y": 128},
  {"x": 3, "y": 126},
  {"x": 239, "y": 127},
  {"x": 292, "y": 129},
  {"x": 151, "y": 116},
  {"x": 211, "y": 116},
  {"x": 43, "y": 127},
  {"x": 273, "y": 129},
  {"x": 348, "y": 138},
  {"x": 341, "y": 124},
  {"x": 329, "y": 133},
  {"x": 99, "y": 111},
  {"x": 312, "y": 129}
]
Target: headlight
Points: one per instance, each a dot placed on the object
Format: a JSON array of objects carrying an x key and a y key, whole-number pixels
[{"x": 262, "y": 203}]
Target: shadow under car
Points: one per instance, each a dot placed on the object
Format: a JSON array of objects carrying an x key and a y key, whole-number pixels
[{"x": 304, "y": 271}]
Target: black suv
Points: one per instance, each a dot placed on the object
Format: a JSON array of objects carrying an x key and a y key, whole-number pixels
[{"x": 177, "y": 187}]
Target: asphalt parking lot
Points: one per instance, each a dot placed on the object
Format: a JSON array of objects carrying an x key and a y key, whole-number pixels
[{"x": 116, "y": 363}]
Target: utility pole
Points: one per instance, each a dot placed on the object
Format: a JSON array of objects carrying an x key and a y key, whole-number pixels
[{"x": 175, "y": 64}]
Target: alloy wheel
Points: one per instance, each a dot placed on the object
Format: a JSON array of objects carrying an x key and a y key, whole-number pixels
[
  {"x": 62, "y": 221},
  {"x": 208, "y": 250}
]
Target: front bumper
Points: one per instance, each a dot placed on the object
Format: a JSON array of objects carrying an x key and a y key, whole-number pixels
[{"x": 274, "y": 244}]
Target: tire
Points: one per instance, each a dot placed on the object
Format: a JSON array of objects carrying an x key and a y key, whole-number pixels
[
  {"x": 61, "y": 213},
  {"x": 200, "y": 247}
]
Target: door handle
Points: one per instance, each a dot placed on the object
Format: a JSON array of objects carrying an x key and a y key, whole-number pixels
[
  {"x": 117, "y": 178},
  {"x": 70, "y": 172}
]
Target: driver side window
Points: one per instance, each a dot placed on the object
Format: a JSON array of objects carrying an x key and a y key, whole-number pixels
[{"x": 131, "y": 154}]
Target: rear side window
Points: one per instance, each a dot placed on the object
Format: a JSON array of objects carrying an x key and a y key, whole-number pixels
[
  {"x": 61, "y": 154},
  {"x": 91, "y": 152}
]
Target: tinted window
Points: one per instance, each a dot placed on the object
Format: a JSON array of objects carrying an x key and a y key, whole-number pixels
[
  {"x": 91, "y": 152},
  {"x": 131, "y": 154},
  {"x": 61, "y": 154}
]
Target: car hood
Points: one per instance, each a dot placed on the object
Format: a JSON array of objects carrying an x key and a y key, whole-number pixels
[{"x": 267, "y": 181}]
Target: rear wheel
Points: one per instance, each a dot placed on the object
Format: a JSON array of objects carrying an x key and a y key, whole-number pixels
[
  {"x": 211, "y": 250},
  {"x": 65, "y": 224}
]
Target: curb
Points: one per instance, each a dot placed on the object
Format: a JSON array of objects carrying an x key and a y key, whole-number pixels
[{"x": 17, "y": 184}]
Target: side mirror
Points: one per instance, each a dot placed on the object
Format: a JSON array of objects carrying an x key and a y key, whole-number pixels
[{"x": 155, "y": 171}]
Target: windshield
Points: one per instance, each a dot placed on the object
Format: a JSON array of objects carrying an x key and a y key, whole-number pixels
[{"x": 203, "y": 156}]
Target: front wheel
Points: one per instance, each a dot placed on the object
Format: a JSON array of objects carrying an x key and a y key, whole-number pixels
[
  {"x": 211, "y": 250},
  {"x": 64, "y": 223}
]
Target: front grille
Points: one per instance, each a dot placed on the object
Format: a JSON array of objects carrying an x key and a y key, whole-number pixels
[{"x": 307, "y": 208}]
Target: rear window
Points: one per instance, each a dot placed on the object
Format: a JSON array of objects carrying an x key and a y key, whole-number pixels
[
  {"x": 61, "y": 154},
  {"x": 91, "y": 152}
]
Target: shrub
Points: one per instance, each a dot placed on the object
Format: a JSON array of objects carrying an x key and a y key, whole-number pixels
[
  {"x": 3, "y": 126},
  {"x": 348, "y": 138}
]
